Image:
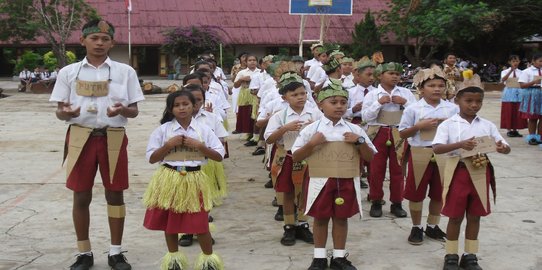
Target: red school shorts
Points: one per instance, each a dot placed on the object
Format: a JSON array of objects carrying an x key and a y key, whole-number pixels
[
  {"x": 430, "y": 179},
  {"x": 325, "y": 207},
  {"x": 462, "y": 196},
  {"x": 95, "y": 155}
]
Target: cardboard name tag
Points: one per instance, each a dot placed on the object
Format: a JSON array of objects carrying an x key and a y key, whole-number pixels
[
  {"x": 484, "y": 145},
  {"x": 512, "y": 83},
  {"x": 429, "y": 134},
  {"x": 390, "y": 118},
  {"x": 183, "y": 153},
  {"x": 92, "y": 89},
  {"x": 334, "y": 159}
]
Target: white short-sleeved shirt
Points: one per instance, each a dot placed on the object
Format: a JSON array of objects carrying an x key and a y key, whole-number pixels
[
  {"x": 246, "y": 72},
  {"x": 216, "y": 97},
  {"x": 516, "y": 72},
  {"x": 314, "y": 72},
  {"x": 54, "y": 74},
  {"x": 371, "y": 106},
  {"x": 258, "y": 79},
  {"x": 285, "y": 116},
  {"x": 212, "y": 121},
  {"x": 195, "y": 130},
  {"x": 25, "y": 75},
  {"x": 356, "y": 95},
  {"x": 528, "y": 74},
  {"x": 422, "y": 110},
  {"x": 124, "y": 88},
  {"x": 219, "y": 73},
  {"x": 348, "y": 81},
  {"x": 332, "y": 133},
  {"x": 266, "y": 87},
  {"x": 311, "y": 62},
  {"x": 456, "y": 129},
  {"x": 272, "y": 106}
]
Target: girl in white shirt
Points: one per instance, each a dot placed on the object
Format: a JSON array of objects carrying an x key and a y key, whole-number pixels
[{"x": 178, "y": 197}]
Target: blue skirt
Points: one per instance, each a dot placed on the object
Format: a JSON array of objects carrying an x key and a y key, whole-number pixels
[
  {"x": 531, "y": 101},
  {"x": 510, "y": 94}
]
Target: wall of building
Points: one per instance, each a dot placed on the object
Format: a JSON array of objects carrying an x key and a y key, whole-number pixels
[{"x": 119, "y": 53}]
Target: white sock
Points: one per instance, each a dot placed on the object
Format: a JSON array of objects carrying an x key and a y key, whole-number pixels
[
  {"x": 299, "y": 223},
  {"x": 86, "y": 253},
  {"x": 418, "y": 226},
  {"x": 114, "y": 250},
  {"x": 320, "y": 253},
  {"x": 432, "y": 226},
  {"x": 339, "y": 253}
]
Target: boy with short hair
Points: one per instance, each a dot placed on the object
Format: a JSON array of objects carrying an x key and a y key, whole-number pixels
[
  {"x": 281, "y": 130},
  {"x": 382, "y": 110},
  {"x": 418, "y": 124},
  {"x": 466, "y": 191},
  {"x": 332, "y": 197}
]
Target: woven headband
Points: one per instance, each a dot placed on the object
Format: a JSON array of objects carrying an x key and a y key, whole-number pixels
[
  {"x": 101, "y": 27},
  {"x": 334, "y": 89}
]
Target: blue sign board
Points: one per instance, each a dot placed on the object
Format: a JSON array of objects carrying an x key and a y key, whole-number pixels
[{"x": 338, "y": 7}]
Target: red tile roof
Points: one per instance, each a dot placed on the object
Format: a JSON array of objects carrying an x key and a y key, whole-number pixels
[{"x": 253, "y": 22}]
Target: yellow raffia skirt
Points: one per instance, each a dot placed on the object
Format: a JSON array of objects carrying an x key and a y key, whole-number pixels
[
  {"x": 245, "y": 97},
  {"x": 217, "y": 180},
  {"x": 169, "y": 190}
]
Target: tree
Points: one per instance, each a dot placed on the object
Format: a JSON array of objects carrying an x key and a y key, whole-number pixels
[
  {"x": 54, "y": 20},
  {"x": 191, "y": 40},
  {"x": 365, "y": 37},
  {"x": 422, "y": 23},
  {"x": 520, "y": 20}
]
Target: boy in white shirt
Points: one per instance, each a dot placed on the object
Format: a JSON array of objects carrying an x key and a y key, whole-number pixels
[
  {"x": 418, "y": 124},
  {"x": 466, "y": 191},
  {"x": 282, "y": 129}
]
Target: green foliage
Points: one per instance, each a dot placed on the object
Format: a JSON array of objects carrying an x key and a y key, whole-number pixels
[
  {"x": 435, "y": 23},
  {"x": 30, "y": 60},
  {"x": 54, "y": 20},
  {"x": 50, "y": 61},
  {"x": 192, "y": 40},
  {"x": 365, "y": 37}
]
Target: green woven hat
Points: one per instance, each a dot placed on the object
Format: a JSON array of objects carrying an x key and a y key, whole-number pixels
[{"x": 335, "y": 88}]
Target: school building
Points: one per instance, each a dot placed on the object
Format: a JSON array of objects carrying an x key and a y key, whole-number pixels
[{"x": 260, "y": 27}]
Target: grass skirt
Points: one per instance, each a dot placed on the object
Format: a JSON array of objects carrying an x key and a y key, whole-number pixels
[
  {"x": 169, "y": 190},
  {"x": 245, "y": 97},
  {"x": 217, "y": 180}
]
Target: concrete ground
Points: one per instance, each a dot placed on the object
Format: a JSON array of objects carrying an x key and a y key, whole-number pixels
[{"x": 37, "y": 230}]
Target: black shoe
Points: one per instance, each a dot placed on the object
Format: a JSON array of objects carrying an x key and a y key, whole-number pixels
[
  {"x": 118, "y": 262},
  {"x": 259, "y": 151},
  {"x": 251, "y": 143},
  {"x": 274, "y": 202},
  {"x": 279, "y": 216},
  {"x": 235, "y": 132},
  {"x": 397, "y": 210},
  {"x": 83, "y": 262},
  {"x": 416, "y": 236},
  {"x": 533, "y": 141},
  {"x": 510, "y": 134},
  {"x": 186, "y": 240},
  {"x": 210, "y": 218},
  {"x": 363, "y": 184},
  {"x": 318, "y": 264},
  {"x": 435, "y": 233},
  {"x": 288, "y": 238},
  {"x": 516, "y": 134},
  {"x": 451, "y": 262},
  {"x": 376, "y": 209},
  {"x": 269, "y": 184},
  {"x": 469, "y": 262},
  {"x": 303, "y": 233},
  {"x": 341, "y": 264}
]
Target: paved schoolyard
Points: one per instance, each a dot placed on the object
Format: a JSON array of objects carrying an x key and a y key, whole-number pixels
[{"x": 37, "y": 230}]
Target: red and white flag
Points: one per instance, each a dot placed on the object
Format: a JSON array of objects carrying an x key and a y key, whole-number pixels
[{"x": 128, "y": 5}]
